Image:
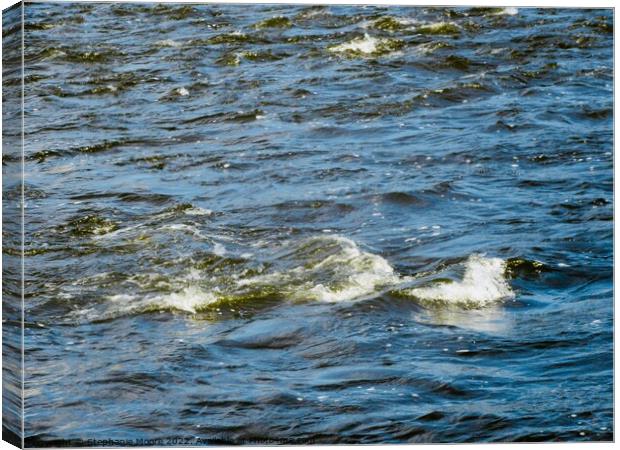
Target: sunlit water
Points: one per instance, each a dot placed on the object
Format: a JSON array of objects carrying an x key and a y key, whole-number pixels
[{"x": 250, "y": 224}]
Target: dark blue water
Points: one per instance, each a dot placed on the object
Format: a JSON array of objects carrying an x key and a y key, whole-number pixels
[{"x": 306, "y": 224}]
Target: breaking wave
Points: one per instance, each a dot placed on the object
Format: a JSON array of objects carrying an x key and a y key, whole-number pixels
[
  {"x": 322, "y": 269},
  {"x": 368, "y": 46},
  {"x": 483, "y": 284},
  {"x": 330, "y": 269}
]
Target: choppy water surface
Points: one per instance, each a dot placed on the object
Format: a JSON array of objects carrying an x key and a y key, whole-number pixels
[{"x": 318, "y": 224}]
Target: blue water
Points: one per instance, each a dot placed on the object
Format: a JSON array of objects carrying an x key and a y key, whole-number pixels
[{"x": 305, "y": 224}]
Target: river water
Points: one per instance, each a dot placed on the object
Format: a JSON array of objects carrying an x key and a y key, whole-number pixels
[{"x": 308, "y": 224}]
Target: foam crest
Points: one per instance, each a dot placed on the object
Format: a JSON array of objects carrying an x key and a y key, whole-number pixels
[
  {"x": 483, "y": 284},
  {"x": 509, "y": 11},
  {"x": 190, "y": 299},
  {"x": 351, "y": 274},
  {"x": 368, "y": 46},
  {"x": 331, "y": 269}
]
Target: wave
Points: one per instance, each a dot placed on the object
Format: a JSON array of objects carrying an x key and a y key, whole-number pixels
[
  {"x": 189, "y": 300},
  {"x": 493, "y": 11},
  {"x": 327, "y": 268},
  {"x": 509, "y": 11},
  {"x": 483, "y": 283},
  {"x": 447, "y": 28},
  {"x": 368, "y": 46},
  {"x": 331, "y": 269}
]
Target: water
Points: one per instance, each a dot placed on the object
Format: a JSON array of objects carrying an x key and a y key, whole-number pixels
[{"x": 306, "y": 224}]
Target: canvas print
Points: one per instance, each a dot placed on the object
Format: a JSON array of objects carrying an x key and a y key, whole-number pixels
[{"x": 264, "y": 224}]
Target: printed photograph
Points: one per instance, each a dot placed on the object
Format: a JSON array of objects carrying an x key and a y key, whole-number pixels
[{"x": 278, "y": 224}]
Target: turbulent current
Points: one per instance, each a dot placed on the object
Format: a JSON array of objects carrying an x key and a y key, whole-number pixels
[
  {"x": 303, "y": 224},
  {"x": 324, "y": 269}
]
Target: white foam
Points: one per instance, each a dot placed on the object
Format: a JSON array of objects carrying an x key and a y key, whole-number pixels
[
  {"x": 400, "y": 20},
  {"x": 183, "y": 227},
  {"x": 366, "y": 45},
  {"x": 348, "y": 274},
  {"x": 119, "y": 231},
  {"x": 219, "y": 249},
  {"x": 168, "y": 43},
  {"x": 357, "y": 274},
  {"x": 188, "y": 300},
  {"x": 483, "y": 284},
  {"x": 197, "y": 211},
  {"x": 103, "y": 229},
  {"x": 509, "y": 11}
]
